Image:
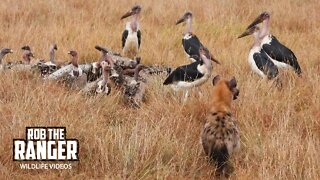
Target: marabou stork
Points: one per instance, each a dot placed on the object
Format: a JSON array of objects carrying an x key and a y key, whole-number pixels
[
  {"x": 191, "y": 75},
  {"x": 190, "y": 41},
  {"x": 281, "y": 56},
  {"x": 131, "y": 36},
  {"x": 259, "y": 61}
]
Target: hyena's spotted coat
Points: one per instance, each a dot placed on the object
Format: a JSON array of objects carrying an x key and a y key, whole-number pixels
[{"x": 220, "y": 135}]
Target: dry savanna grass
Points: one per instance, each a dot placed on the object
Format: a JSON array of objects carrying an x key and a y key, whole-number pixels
[{"x": 280, "y": 128}]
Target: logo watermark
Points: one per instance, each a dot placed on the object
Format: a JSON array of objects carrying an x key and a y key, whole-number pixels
[{"x": 45, "y": 144}]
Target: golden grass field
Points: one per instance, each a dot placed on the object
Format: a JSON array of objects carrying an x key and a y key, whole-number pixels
[{"x": 280, "y": 128}]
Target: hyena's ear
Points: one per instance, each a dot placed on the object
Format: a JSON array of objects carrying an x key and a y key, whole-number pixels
[
  {"x": 215, "y": 80},
  {"x": 233, "y": 83}
]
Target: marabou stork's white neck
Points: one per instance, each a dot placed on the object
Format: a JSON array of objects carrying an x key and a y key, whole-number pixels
[
  {"x": 188, "y": 26},
  {"x": 134, "y": 22},
  {"x": 257, "y": 39},
  {"x": 206, "y": 61},
  {"x": 265, "y": 30}
]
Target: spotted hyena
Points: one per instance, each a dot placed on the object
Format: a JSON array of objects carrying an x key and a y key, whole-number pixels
[{"x": 220, "y": 135}]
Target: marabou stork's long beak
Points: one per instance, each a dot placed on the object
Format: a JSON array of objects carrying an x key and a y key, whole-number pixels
[
  {"x": 259, "y": 19},
  {"x": 214, "y": 60},
  {"x": 129, "y": 13},
  {"x": 248, "y": 31},
  {"x": 186, "y": 16},
  {"x": 204, "y": 51},
  {"x": 181, "y": 20},
  {"x": 136, "y": 9}
]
